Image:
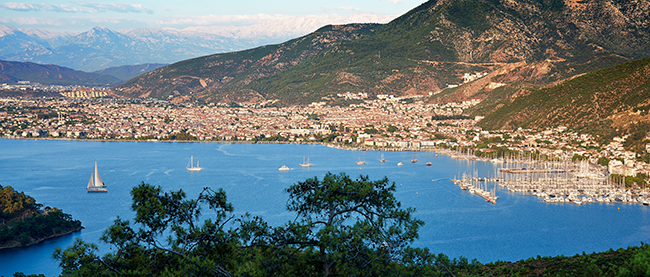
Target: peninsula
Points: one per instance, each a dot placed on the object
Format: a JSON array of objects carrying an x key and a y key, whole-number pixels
[{"x": 24, "y": 223}]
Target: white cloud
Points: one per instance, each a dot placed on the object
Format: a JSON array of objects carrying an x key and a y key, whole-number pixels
[
  {"x": 24, "y": 7},
  {"x": 90, "y": 7},
  {"x": 396, "y": 1},
  {"x": 247, "y": 20},
  {"x": 115, "y": 7},
  {"x": 32, "y": 21},
  {"x": 284, "y": 26},
  {"x": 244, "y": 19},
  {"x": 19, "y": 7},
  {"x": 58, "y": 8}
]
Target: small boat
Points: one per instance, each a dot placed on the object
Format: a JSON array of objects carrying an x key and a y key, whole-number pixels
[
  {"x": 96, "y": 184},
  {"x": 190, "y": 166},
  {"x": 382, "y": 158},
  {"x": 305, "y": 164},
  {"x": 414, "y": 160},
  {"x": 284, "y": 168},
  {"x": 360, "y": 162},
  {"x": 429, "y": 164},
  {"x": 400, "y": 164}
]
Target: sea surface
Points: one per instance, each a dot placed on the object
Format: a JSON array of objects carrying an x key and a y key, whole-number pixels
[{"x": 56, "y": 172}]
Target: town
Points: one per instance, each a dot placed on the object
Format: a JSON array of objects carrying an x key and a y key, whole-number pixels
[{"x": 386, "y": 122}]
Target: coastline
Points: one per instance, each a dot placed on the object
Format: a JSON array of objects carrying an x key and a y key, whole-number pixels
[
  {"x": 16, "y": 244},
  {"x": 337, "y": 146}
]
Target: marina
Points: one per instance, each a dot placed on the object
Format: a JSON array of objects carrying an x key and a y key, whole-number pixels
[{"x": 552, "y": 181}]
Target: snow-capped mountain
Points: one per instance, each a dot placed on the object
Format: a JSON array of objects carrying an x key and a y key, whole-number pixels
[{"x": 101, "y": 48}]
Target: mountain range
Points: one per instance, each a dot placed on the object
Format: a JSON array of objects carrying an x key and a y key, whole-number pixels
[
  {"x": 49, "y": 74},
  {"x": 423, "y": 52},
  {"x": 100, "y": 48}
]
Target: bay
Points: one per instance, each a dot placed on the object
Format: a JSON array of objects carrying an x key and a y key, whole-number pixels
[{"x": 55, "y": 173}]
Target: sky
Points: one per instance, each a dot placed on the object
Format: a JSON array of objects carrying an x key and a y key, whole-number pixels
[{"x": 79, "y": 15}]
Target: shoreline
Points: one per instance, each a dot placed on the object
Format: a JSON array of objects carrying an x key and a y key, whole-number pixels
[
  {"x": 15, "y": 244},
  {"x": 337, "y": 146}
]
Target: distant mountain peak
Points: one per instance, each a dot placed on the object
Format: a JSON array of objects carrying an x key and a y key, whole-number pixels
[
  {"x": 100, "y": 29},
  {"x": 6, "y": 30}
]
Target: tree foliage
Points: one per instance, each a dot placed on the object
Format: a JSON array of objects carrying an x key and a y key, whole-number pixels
[
  {"x": 342, "y": 225},
  {"x": 37, "y": 227},
  {"x": 353, "y": 224},
  {"x": 190, "y": 247},
  {"x": 13, "y": 204}
]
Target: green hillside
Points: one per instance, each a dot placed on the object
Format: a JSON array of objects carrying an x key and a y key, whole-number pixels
[
  {"x": 48, "y": 74},
  {"x": 608, "y": 102},
  {"x": 224, "y": 77},
  {"x": 22, "y": 223},
  {"x": 421, "y": 52}
]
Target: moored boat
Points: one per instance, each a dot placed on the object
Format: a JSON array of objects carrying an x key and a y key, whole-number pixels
[
  {"x": 190, "y": 166},
  {"x": 305, "y": 164}
]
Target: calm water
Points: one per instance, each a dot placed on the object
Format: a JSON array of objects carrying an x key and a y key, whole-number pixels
[{"x": 456, "y": 223}]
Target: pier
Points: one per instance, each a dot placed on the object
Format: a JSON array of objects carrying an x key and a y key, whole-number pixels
[{"x": 554, "y": 182}]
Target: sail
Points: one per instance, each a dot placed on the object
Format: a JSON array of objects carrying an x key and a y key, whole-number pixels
[
  {"x": 98, "y": 180},
  {"x": 190, "y": 166},
  {"x": 90, "y": 182},
  {"x": 191, "y": 163}
]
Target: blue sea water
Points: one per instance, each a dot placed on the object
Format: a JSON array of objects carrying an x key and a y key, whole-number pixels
[{"x": 458, "y": 224}]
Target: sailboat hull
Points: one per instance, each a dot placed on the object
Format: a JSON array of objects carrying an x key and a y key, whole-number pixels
[{"x": 97, "y": 190}]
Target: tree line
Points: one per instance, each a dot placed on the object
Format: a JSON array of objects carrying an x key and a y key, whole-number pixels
[{"x": 22, "y": 222}]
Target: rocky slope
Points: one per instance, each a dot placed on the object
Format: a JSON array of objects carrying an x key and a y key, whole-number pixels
[
  {"x": 205, "y": 78},
  {"x": 421, "y": 52},
  {"x": 610, "y": 102}
]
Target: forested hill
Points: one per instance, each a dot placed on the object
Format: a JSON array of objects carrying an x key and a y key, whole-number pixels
[
  {"x": 23, "y": 223},
  {"x": 421, "y": 52},
  {"x": 49, "y": 74},
  {"x": 606, "y": 103},
  {"x": 225, "y": 77}
]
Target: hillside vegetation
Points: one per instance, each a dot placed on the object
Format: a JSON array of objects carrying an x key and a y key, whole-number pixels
[
  {"x": 421, "y": 52},
  {"x": 205, "y": 78},
  {"x": 48, "y": 74},
  {"x": 608, "y": 102},
  {"x": 22, "y": 223}
]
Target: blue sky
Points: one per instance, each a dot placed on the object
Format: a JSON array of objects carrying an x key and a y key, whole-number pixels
[{"x": 78, "y": 16}]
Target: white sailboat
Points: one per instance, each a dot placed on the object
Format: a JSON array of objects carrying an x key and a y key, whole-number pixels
[
  {"x": 360, "y": 162},
  {"x": 284, "y": 168},
  {"x": 190, "y": 166},
  {"x": 96, "y": 184},
  {"x": 382, "y": 160},
  {"x": 307, "y": 164}
]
